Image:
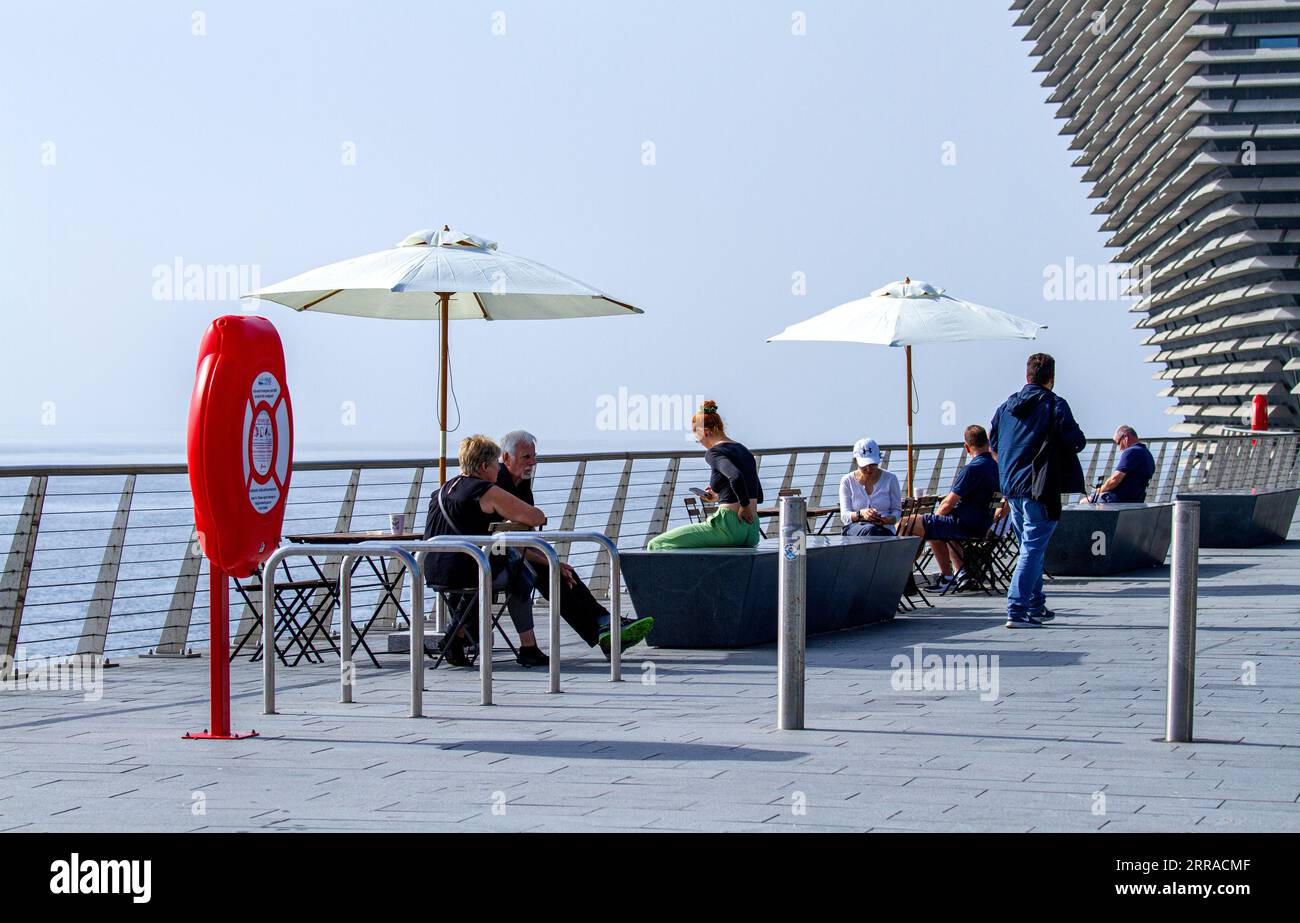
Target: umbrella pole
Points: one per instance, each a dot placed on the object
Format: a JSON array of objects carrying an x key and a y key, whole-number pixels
[
  {"x": 908, "y": 350},
  {"x": 442, "y": 386}
]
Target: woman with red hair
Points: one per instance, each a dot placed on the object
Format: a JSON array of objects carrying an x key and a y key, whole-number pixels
[{"x": 733, "y": 485}]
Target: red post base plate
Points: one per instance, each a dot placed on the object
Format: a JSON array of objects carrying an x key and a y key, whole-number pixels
[{"x": 209, "y": 736}]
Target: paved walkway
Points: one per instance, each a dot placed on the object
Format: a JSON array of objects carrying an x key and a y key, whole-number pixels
[{"x": 1068, "y": 743}]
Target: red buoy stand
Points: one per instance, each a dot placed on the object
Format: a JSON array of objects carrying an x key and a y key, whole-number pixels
[
  {"x": 219, "y": 661},
  {"x": 239, "y": 448}
]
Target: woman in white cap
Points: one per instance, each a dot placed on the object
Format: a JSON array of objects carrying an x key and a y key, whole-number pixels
[{"x": 871, "y": 500}]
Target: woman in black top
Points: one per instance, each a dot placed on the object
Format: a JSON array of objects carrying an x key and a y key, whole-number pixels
[
  {"x": 733, "y": 485},
  {"x": 467, "y": 505}
]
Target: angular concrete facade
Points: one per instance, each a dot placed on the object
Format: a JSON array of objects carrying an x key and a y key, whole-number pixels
[{"x": 1186, "y": 117}]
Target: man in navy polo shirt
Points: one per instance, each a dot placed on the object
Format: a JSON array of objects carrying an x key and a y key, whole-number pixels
[
  {"x": 1128, "y": 482},
  {"x": 967, "y": 510}
]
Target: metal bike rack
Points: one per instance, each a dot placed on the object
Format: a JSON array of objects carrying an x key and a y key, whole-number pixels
[
  {"x": 509, "y": 539},
  {"x": 444, "y": 545},
  {"x": 615, "y": 592},
  {"x": 537, "y": 540},
  {"x": 347, "y": 552}
]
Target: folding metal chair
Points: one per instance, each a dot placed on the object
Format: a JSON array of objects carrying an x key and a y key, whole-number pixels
[
  {"x": 912, "y": 510},
  {"x": 462, "y": 603},
  {"x": 981, "y": 567},
  {"x": 699, "y": 510},
  {"x": 295, "y": 615}
]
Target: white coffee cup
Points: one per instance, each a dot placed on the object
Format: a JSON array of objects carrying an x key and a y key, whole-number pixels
[{"x": 396, "y": 523}]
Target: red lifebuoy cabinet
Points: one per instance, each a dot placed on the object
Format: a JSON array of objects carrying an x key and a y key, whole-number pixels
[
  {"x": 1259, "y": 412},
  {"x": 240, "y": 451}
]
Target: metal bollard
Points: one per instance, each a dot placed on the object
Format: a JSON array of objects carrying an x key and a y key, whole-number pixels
[
  {"x": 1182, "y": 621},
  {"x": 346, "y": 667},
  {"x": 792, "y": 579}
]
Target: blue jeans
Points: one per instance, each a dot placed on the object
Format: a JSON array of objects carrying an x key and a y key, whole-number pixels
[{"x": 1034, "y": 530}]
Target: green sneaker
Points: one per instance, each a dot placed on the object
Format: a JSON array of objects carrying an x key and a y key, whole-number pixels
[{"x": 634, "y": 632}]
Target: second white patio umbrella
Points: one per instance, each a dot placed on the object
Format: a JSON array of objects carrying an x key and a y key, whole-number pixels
[
  {"x": 443, "y": 275},
  {"x": 907, "y": 313}
]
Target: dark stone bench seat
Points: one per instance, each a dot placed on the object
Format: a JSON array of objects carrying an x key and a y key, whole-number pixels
[
  {"x": 1241, "y": 519},
  {"x": 727, "y": 597},
  {"x": 1096, "y": 540}
]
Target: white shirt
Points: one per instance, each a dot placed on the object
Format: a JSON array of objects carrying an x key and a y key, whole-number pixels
[{"x": 886, "y": 497}]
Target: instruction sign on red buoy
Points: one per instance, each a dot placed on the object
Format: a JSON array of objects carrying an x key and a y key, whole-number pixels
[{"x": 240, "y": 450}]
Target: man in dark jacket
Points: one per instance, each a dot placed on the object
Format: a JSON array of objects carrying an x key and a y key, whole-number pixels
[{"x": 1036, "y": 443}]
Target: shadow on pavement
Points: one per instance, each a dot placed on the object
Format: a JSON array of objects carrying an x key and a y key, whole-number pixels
[{"x": 623, "y": 750}]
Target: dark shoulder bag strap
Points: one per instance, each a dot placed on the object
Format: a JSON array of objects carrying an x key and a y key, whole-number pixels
[
  {"x": 442, "y": 507},
  {"x": 1039, "y": 466}
]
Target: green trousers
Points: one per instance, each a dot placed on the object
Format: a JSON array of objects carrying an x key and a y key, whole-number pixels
[{"x": 724, "y": 529}]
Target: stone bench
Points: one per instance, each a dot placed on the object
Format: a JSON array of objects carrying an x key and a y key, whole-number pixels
[
  {"x": 727, "y": 597},
  {"x": 1241, "y": 519},
  {"x": 1095, "y": 540}
]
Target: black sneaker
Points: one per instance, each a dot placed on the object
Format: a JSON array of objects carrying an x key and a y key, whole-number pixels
[
  {"x": 1024, "y": 623},
  {"x": 1045, "y": 616},
  {"x": 454, "y": 652},
  {"x": 532, "y": 657}
]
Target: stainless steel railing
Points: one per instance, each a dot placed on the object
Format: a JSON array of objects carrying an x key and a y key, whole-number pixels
[{"x": 103, "y": 559}]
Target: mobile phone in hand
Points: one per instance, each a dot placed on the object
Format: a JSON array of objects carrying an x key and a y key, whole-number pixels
[{"x": 702, "y": 494}]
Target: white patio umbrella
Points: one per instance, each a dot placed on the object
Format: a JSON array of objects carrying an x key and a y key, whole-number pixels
[
  {"x": 443, "y": 275},
  {"x": 907, "y": 313}
]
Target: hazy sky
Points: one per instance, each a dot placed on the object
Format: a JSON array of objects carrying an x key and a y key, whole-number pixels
[{"x": 689, "y": 158}]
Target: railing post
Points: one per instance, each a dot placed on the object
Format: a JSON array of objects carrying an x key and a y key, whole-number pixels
[
  {"x": 663, "y": 506},
  {"x": 793, "y": 601},
  {"x": 1110, "y": 464},
  {"x": 18, "y": 571},
  {"x": 570, "y": 518},
  {"x": 819, "y": 484},
  {"x": 1273, "y": 458},
  {"x": 1219, "y": 464},
  {"x": 933, "y": 487},
  {"x": 396, "y": 571},
  {"x": 1159, "y": 473},
  {"x": 1238, "y": 462},
  {"x": 1091, "y": 477},
  {"x": 176, "y": 630},
  {"x": 342, "y": 524},
  {"x": 1193, "y": 449},
  {"x": 600, "y": 573},
  {"x": 94, "y": 630},
  {"x": 1182, "y": 622},
  {"x": 787, "y": 481}
]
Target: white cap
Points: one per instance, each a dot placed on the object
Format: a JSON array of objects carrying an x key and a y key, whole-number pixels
[{"x": 866, "y": 452}]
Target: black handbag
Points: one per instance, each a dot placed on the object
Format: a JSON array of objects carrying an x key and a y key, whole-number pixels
[{"x": 1045, "y": 481}]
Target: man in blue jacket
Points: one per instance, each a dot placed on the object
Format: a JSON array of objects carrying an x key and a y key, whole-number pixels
[{"x": 1036, "y": 443}]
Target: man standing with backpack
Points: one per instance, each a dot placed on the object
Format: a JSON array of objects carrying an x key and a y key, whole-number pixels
[{"x": 1036, "y": 443}]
